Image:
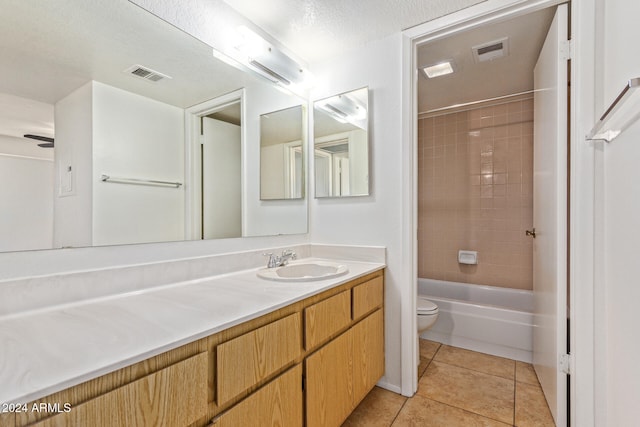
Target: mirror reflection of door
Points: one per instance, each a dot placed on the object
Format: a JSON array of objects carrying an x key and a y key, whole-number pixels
[
  {"x": 281, "y": 154},
  {"x": 221, "y": 172},
  {"x": 296, "y": 170},
  {"x": 333, "y": 168}
]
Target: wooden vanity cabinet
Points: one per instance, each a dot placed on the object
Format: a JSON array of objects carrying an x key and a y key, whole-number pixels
[
  {"x": 176, "y": 395},
  {"x": 309, "y": 363},
  {"x": 341, "y": 373}
]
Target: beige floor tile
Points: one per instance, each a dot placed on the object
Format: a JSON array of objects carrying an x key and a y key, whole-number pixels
[
  {"x": 422, "y": 367},
  {"x": 526, "y": 374},
  {"x": 474, "y": 391},
  {"x": 531, "y": 407},
  {"x": 428, "y": 348},
  {"x": 473, "y": 360},
  {"x": 378, "y": 409},
  {"x": 423, "y": 412}
]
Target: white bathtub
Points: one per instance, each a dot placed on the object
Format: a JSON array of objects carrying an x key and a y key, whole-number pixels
[{"x": 487, "y": 319}]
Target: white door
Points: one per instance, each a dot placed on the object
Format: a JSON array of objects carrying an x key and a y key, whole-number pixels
[
  {"x": 322, "y": 168},
  {"x": 550, "y": 215},
  {"x": 221, "y": 180}
]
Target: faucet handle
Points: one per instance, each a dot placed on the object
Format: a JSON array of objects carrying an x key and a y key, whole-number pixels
[
  {"x": 290, "y": 253},
  {"x": 273, "y": 260}
]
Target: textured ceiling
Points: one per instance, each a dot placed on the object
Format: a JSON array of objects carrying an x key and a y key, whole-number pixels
[
  {"x": 54, "y": 47},
  {"x": 51, "y": 48},
  {"x": 316, "y": 30}
]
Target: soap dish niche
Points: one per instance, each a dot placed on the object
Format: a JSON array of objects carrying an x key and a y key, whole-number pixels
[{"x": 468, "y": 257}]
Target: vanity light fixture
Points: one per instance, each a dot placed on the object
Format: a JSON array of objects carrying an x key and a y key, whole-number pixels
[
  {"x": 248, "y": 50},
  {"x": 439, "y": 69}
]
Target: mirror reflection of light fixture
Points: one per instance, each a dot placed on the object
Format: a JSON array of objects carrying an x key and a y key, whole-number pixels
[
  {"x": 345, "y": 109},
  {"x": 248, "y": 50},
  {"x": 341, "y": 145}
]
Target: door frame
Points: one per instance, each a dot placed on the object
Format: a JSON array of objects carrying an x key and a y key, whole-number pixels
[
  {"x": 582, "y": 399},
  {"x": 192, "y": 158}
]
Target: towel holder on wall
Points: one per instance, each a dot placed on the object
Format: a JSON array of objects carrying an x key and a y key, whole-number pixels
[
  {"x": 619, "y": 115},
  {"x": 136, "y": 181}
]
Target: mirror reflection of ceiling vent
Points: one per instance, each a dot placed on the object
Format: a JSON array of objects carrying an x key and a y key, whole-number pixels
[
  {"x": 145, "y": 73},
  {"x": 491, "y": 50}
]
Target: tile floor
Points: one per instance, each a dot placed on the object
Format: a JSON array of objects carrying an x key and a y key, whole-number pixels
[{"x": 460, "y": 387}]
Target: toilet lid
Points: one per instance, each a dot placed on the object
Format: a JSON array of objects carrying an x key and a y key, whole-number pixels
[{"x": 426, "y": 307}]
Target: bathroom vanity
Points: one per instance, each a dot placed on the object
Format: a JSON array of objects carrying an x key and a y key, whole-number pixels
[{"x": 292, "y": 354}]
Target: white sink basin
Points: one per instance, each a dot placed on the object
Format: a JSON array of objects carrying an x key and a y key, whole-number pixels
[{"x": 304, "y": 271}]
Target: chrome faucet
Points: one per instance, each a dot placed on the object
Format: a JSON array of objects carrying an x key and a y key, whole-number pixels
[{"x": 279, "y": 261}]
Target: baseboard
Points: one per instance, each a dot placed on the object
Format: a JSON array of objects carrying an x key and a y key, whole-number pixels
[{"x": 391, "y": 387}]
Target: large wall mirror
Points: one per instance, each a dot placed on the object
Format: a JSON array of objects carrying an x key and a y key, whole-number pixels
[
  {"x": 341, "y": 144},
  {"x": 282, "y": 142},
  {"x": 111, "y": 94}
]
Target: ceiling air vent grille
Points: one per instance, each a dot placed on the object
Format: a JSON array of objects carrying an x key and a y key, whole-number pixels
[
  {"x": 491, "y": 50},
  {"x": 146, "y": 73}
]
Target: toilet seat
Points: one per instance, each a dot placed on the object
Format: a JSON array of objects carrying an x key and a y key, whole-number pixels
[{"x": 424, "y": 306}]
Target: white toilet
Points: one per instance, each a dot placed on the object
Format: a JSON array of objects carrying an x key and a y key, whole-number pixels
[{"x": 427, "y": 313}]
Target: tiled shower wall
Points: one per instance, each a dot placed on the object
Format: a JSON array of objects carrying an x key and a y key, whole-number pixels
[{"x": 475, "y": 192}]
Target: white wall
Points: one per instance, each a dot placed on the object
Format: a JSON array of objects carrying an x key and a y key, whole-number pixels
[
  {"x": 101, "y": 129},
  {"x": 272, "y": 180},
  {"x": 621, "y": 204},
  {"x": 374, "y": 219},
  {"x": 267, "y": 217},
  {"x": 26, "y": 194},
  {"x": 74, "y": 132},
  {"x": 136, "y": 137}
]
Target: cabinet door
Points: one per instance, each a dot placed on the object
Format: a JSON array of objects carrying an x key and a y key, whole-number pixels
[
  {"x": 368, "y": 353},
  {"x": 329, "y": 383},
  {"x": 279, "y": 403}
]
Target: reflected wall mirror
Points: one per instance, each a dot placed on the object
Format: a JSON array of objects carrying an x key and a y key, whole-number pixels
[
  {"x": 282, "y": 142},
  {"x": 116, "y": 88},
  {"x": 341, "y": 144}
]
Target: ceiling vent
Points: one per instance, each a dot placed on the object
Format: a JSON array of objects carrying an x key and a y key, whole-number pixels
[
  {"x": 145, "y": 73},
  {"x": 491, "y": 50}
]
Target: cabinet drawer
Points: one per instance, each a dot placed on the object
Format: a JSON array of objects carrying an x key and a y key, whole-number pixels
[
  {"x": 278, "y": 403},
  {"x": 250, "y": 358},
  {"x": 174, "y": 396},
  {"x": 367, "y": 297},
  {"x": 325, "y": 318}
]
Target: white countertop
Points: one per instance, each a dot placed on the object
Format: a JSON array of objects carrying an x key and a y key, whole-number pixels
[{"x": 45, "y": 351}]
